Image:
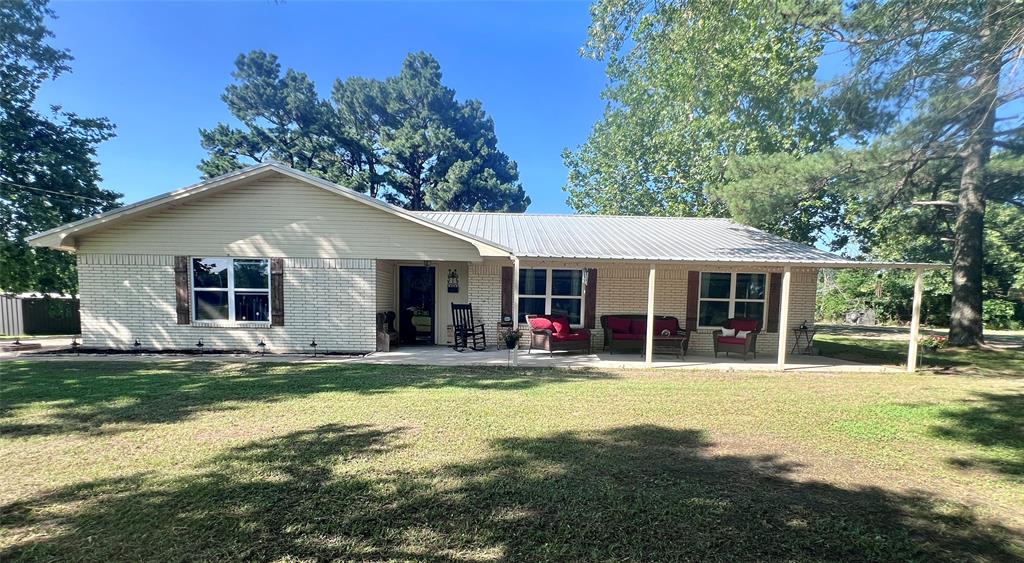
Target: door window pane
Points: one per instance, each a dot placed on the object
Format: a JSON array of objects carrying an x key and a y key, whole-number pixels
[
  {"x": 252, "y": 307},
  {"x": 715, "y": 285},
  {"x": 211, "y": 305},
  {"x": 713, "y": 313},
  {"x": 749, "y": 310},
  {"x": 210, "y": 272},
  {"x": 566, "y": 282},
  {"x": 533, "y": 282},
  {"x": 567, "y": 308},
  {"x": 530, "y": 306},
  {"x": 750, "y": 286},
  {"x": 252, "y": 274}
]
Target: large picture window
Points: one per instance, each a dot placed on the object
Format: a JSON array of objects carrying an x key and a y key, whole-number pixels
[
  {"x": 551, "y": 291},
  {"x": 725, "y": 295},
  {"x": 231, "y": 289}
]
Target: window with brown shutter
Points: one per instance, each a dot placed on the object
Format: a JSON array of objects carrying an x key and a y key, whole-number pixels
[
  {"x": 182, "y": 298},
  {"x": 277, "y": 292}
]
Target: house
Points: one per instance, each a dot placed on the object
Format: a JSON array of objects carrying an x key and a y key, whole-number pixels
[{"x": 271, "y": 254}]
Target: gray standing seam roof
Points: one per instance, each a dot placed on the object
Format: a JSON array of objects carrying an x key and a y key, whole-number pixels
[{"x": 610, "y": 237}]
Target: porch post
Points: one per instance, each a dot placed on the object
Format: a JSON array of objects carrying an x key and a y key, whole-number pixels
[
  {"x": 915, "y": 320},
  {"x": 515, "y": 306},
  {"x": 787, "y": 274},
  {"x": 649, "y": 360}
]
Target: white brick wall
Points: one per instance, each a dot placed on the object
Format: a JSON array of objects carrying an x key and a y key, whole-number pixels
[
  {"x": 125, "y": 297},
  {"x": 485, "y": 295}
]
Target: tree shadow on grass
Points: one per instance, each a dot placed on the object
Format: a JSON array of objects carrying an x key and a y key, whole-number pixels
[
  {"x": 629, "y": 493},
  {"x": 99, "y": 398},
  {"x": 995, "y": 422}
]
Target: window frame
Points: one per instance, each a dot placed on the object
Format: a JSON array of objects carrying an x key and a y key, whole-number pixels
[
  {"x": 548, "y": 295},
  {"x": 732, "y": 299},
  {"x": 230, "y": 290}
]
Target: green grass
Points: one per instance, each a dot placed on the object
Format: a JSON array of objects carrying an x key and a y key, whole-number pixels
[
  {"x": 979, "y": 362},
  {"x": 180, "y": 460}
]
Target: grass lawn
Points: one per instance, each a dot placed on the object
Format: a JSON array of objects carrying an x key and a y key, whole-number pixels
[
  {"x": 188, "y": 460},
  {"x": 1004, "y": 361}
]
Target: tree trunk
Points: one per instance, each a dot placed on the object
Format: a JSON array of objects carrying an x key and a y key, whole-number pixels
[{"x": 965, "y": 321}]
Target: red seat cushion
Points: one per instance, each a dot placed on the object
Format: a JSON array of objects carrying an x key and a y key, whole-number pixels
[
  {"x": 671, "y": 325},
  {"x": 731, "y": 340},
  {"x": 571, "y": 336},
  {"x": 743, "y": 324},
  {"x": 638, "y": 327},
  {"x": 540, "y": 323},
  {"x": 628, "y": 336},
  {"x": 560, "y": 324},
  {"x": 618, "y": 324}
]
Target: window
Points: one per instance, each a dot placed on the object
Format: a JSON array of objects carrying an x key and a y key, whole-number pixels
[
  {"x": 726, "y": 295},
  {"x": 231, "y": 289},
  {"x": 549, "y": 291}
]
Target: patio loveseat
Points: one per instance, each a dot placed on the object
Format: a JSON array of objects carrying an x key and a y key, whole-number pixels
[
  {"x": 553, "y": 334},
  {"x": 628, "y": 332}
]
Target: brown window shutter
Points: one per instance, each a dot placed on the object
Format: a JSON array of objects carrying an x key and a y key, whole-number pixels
[
  {"x": 181, "y": 290},
  {"x": 590, "y": 298},
  {"x": 506, "y": 291},
  {"x": 692, "y": 292},
  {"x": 774, "y": 298},
  {"x": 277, "y": 292}
]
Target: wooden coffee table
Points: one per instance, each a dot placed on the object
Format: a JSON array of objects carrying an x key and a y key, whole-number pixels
[{"x": 672, "y": 344}]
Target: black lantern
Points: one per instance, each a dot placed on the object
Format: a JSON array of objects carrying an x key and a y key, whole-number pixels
[
  {"x": 262, "y": 346},
  {"x": 137, "y": 346},
  {"x": 453, "y": 281},
  {"x": 199, "y": 345},
  {"x": 313, "y": 345},
  {"x": 75, "y": 345}
]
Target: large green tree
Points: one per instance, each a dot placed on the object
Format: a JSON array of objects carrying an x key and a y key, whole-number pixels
[
  {"x": 928, "y": 99},
  {"x": 692, "y": 85},
  {"x": 405, "y": 139},
  {"x": 48, "y": 171}
]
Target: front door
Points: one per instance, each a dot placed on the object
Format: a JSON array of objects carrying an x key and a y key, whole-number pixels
[{"x": 416, "y": 304}]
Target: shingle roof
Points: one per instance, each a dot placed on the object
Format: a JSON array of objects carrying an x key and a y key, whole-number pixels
[{"x": 633, "y": 238}]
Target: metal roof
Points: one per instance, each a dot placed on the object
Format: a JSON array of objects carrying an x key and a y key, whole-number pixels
[{"x": 610, "y": 237}]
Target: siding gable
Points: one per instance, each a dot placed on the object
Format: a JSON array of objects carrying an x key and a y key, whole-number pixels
[{"x": 276, "y": 216}]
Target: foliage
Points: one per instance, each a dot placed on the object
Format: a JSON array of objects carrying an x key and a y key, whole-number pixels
[
  {"x": 1000, "y": 313},
  {"x": 405, "y": 139},
  {"x": 921, "y": 114},
  {"x": 53, "y": 152},
  {"x": 695, "y": 84}
]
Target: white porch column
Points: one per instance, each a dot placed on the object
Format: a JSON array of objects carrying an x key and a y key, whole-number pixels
[
  {"x": 649, "y": 359},
  {"x": 515, "y": 307},
  {"x": 787, "y": 275},
  {"x": 915, "y": 320}
]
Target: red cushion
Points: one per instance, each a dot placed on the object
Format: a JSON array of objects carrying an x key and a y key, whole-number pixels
[
  {"x": 671, "y": 325},
  {"x": 571, "y": 336},
  {"x": 618, "y": 324},
  {"x": 743, "y": 324},
  {"x": 638, "y": 327},
  {"x": 560, "y": 324},
  {"x": 731, "y": 340},
  {"x": 540, "y": 323},
  {"x": 626, "y": 336}
]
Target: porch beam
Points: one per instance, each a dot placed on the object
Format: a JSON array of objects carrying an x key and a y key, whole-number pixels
[
  {"x": 649, "y": 359},
  {"x": 515, "y": 307},
  {"x": 787, "y": 275},
  {"x": 915, "y": 320}
]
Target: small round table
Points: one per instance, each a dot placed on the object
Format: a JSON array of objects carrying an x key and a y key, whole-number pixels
[{"x": 807, "y": 334}]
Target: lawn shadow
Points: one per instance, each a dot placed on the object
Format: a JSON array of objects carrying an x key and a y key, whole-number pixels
[
  {"x": 629, "y": 493},
  {"x": 111, "y": 397},
  {"x": 990, "y": 420}
]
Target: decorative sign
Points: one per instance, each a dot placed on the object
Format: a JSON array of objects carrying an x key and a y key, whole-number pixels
[{"x": 453, "y": 281}]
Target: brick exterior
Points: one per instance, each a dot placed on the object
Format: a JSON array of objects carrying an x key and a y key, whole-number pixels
[
  {"x": 485, "y": 295},
  {"x": 124, "y": 297}
]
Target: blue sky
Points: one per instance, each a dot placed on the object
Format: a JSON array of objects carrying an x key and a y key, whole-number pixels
[{"x": 157, "y": 70}]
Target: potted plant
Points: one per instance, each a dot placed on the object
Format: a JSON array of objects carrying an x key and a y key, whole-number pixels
[
  {"x": 932, "y": 343},
  {"x": 511, "y": 337}
]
